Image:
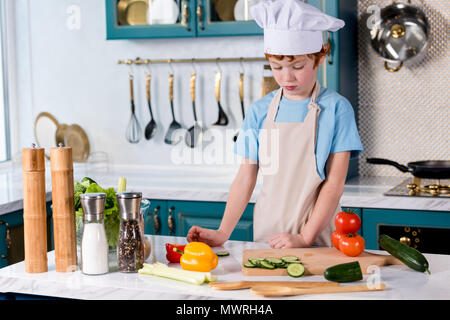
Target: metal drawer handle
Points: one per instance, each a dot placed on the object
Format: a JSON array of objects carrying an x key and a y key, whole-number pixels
[
  {"x": 156, "y": 223},
  {"x": 200, "y": 17},
  {"x": 185, "y": 15},
  {"x": 171, "y": 221}
]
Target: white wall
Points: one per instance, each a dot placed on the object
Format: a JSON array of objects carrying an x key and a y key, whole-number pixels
[{"x": 74, "y": 75}]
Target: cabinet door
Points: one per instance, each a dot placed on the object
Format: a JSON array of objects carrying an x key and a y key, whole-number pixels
[
  {"x": 225, "y": 18},
  {"x": 209, "y": 215},
  {"x": 155, "y": 218},
  {"x": 375, "y": 222},
  {"x": 136, "y": 20}
]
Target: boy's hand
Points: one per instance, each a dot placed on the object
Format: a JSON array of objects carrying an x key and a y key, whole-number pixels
[
  {"x": 287, "y": 240},
  {"x": 213, "y": 238}
]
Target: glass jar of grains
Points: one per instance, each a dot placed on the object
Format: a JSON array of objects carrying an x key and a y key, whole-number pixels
[{"x": 130, "y": 244}]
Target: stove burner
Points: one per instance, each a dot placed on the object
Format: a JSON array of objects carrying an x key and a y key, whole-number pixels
[
  {"x": 421, "y": 188},
  {"x": 433, "y": 189}
]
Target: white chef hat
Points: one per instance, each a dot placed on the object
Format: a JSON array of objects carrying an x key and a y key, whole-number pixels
[{"x": 292, "y": 27}]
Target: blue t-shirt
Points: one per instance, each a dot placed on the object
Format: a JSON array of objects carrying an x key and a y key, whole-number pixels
[{"x": 337, "y": 129}]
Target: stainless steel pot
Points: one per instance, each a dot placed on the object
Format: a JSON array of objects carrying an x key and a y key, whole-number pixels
[{"x": 401, "y": 35}]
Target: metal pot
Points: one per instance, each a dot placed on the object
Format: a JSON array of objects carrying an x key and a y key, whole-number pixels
[{"x": 401, "y": 35}]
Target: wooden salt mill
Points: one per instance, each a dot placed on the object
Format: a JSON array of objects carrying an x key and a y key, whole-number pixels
[
  {"x": 64, "y": 230},
  {"x": 34, "y": 209}
]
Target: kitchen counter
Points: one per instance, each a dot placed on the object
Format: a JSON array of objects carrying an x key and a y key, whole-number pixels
[
  {"x": 210, "y": 184},
  {"x": 401, "y": 282}
]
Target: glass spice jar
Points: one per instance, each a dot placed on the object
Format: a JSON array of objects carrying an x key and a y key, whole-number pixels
[{"x": 130, "y": 244}]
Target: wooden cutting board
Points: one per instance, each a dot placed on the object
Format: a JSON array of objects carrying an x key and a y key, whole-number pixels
[{"x": 315, "y": 260}]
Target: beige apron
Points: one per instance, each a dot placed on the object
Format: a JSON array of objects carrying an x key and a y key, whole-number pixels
[{"x": 291, "y": 184}]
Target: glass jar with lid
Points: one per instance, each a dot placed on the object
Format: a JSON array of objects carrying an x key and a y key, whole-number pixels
[
  {"x": 94, "y": 244},
  {"x": 130, "y": 243}
]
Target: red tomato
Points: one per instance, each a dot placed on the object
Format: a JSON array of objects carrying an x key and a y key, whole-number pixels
[
  {"x": 335, "y": 237},
  {"x": 352, "y": 245},
  {"x": 347, "y": 222}
]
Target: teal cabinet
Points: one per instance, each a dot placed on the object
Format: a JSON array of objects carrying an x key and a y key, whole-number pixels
[
  {"x": 209, "y": 215},
  {"x": 175, "y": 218},
  {"x": 196, "y": 18},
  {"x": 12, "y": 236}
]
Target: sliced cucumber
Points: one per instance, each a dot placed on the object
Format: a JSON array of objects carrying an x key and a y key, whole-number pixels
[
  {"x": 249, "y": 265},
  {"x": 295, "y": 270},
  {"x": 255, "y": 261},
  {"x": 222, "y": 254},
  {"x": 274, "y": 261},
  {"x": 291, "y": 262},
  {"x": 267, "y": 265},
  {"x": 289, "y": 258}
]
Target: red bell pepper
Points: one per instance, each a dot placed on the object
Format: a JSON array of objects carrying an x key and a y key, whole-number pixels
[{"x": 171, "y": 255}]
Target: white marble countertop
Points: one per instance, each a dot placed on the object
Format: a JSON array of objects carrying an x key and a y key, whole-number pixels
[
  {"x": 401, "y": 282},
  {"x": 210, "y": 184}
]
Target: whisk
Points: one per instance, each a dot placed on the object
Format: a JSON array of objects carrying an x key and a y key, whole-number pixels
[{"x": 134, "y": 131}]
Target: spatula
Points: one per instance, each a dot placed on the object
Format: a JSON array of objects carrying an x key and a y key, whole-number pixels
[
  {"x": 237, "y": 285},
  {"x": 151, "y": 127},
  {"x": 195, "y": 133},
  {"x": 241, "y": 97},
  {"x": 273, "y": 291},
  {"x": 222, "y": 119}
]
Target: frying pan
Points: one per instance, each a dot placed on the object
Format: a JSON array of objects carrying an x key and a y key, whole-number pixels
[{"x": 428, "y": 169}]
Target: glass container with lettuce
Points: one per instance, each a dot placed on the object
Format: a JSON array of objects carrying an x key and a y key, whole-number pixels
[{"x": 111, "y": 214}]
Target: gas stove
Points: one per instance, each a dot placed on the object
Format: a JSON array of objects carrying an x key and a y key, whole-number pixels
[{"x": 418, "y": 187}]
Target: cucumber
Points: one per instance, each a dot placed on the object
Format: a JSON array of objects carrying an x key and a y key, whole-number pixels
[
  {"x": 266, "y": 265},
  {"x": 249, "y": 265},
  {"x": 289, "y": 258},
  {"x": 274, "y": 261},
  {"x": 295, "y": 270},
  {"x": 345, "y": 272},
  {"x": 222, "y": 254},
  {"x": 255, "y": 261},
  {"x": 409, "y": 256}
]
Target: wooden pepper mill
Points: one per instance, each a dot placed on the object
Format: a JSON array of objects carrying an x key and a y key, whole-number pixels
[
  {"x": 34, "y": 210},
  {"x": 64, "y": 231}
]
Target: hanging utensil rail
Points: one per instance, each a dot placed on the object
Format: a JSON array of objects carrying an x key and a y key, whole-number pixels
[{"x": 139, "y": 61}]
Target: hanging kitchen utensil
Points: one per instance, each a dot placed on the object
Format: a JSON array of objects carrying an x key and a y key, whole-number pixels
[
  {"x": 429, "y": 169},
  {"x": 194, "y": 135},
  {"x": 151, "y": 127},
  {"x": 401, "y": 35},
  {"x": 269, "y": 83},
  {"x": 134, "y": 131},
  {"x": 172, "y": 136},
  {"x": 222, "y": 119},
  {"x": 76, "y": 138},
  {"x": 241, "y": 97}
]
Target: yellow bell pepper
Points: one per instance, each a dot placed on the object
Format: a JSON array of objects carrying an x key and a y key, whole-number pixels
[{"x": 198, "y": 256}]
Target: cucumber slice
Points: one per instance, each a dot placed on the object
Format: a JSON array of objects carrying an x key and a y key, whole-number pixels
[
  {"x": 291, "y": 262},
  {"x": 249, "y": 265},
  {"x": 289, "y": 258},
  {"x": 222, "y": 254},
  {"x": 255, "y": 261},
  {"x": 295, "y": 270},
  {"x": 274, "y": 261},
  {"x": 267, "y": 265}
]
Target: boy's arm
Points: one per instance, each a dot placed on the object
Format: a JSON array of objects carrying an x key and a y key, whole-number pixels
[
  {"x": 240, "y": 192},
  {"x": 329, "y": 196}
]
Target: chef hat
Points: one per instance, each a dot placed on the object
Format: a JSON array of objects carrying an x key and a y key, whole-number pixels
[{"x": 292, "y": 27}]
